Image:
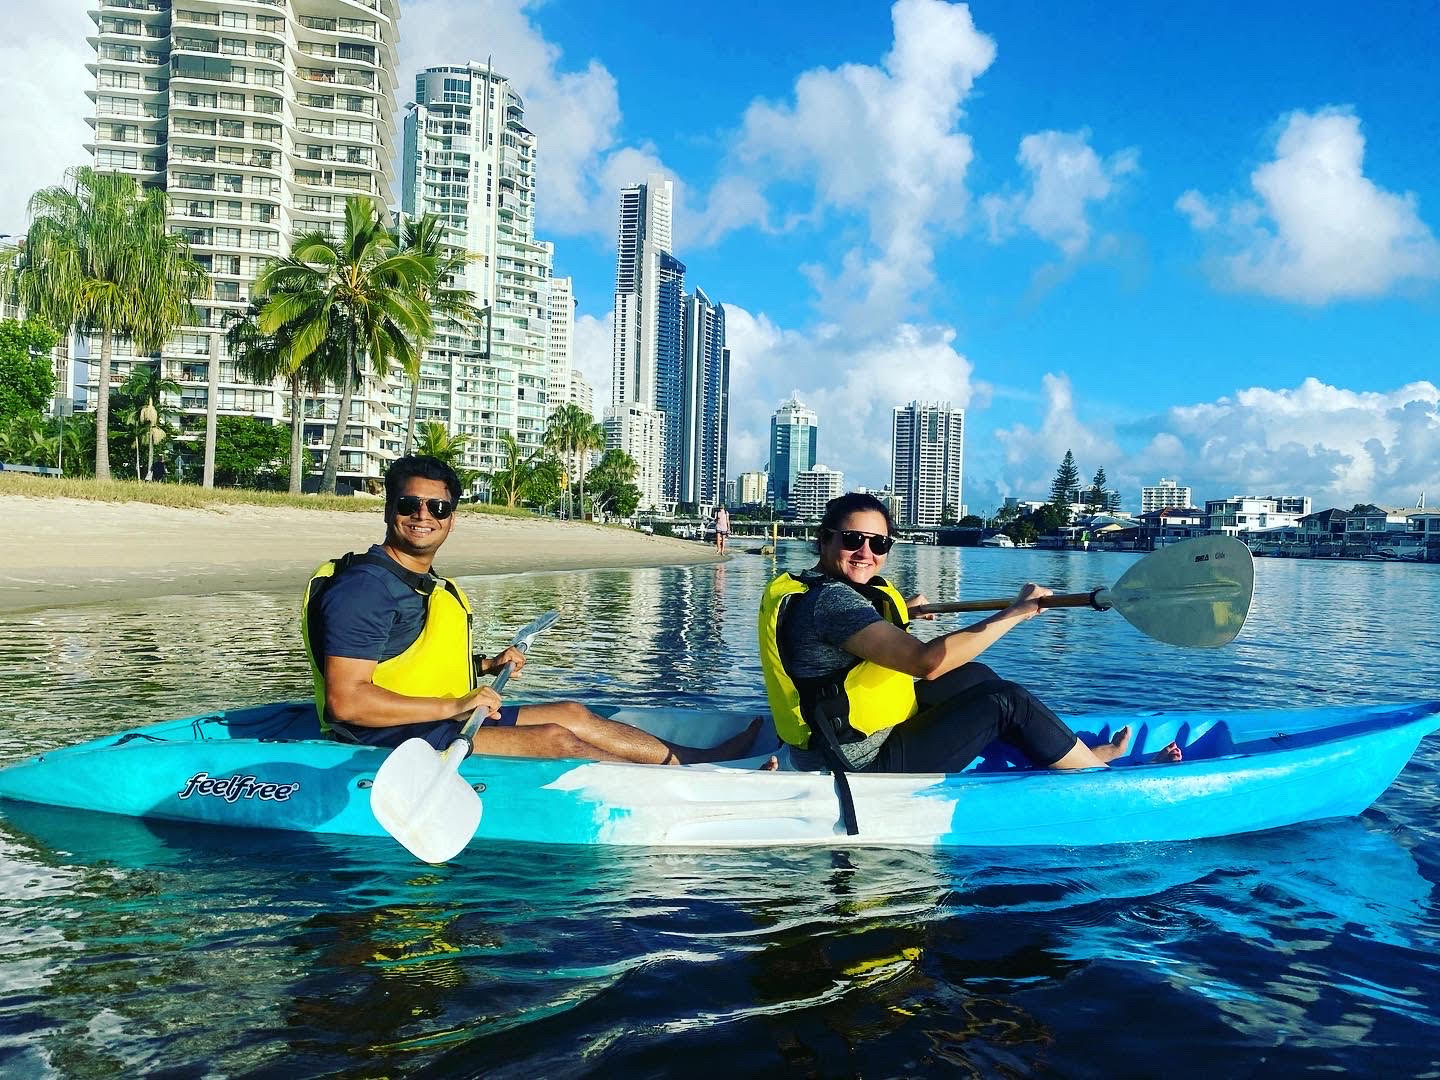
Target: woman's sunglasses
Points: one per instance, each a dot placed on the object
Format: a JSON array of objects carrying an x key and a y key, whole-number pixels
[
  {"x": 852, "y": 540},
  {"x": 440, "y": 509}
]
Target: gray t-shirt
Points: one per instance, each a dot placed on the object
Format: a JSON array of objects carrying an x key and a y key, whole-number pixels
[{"x": 814, "y": 624}]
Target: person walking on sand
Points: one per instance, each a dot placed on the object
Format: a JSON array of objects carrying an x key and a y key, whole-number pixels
[
  {"x": 389, "y": 647},
  {"x": 722, "y": 528}
]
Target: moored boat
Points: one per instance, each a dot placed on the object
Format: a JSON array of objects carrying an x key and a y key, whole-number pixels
[{"x": 1244, "y": 770}]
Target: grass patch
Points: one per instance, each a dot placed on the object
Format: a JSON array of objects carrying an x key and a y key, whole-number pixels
[{"x": 191, "y": 496}]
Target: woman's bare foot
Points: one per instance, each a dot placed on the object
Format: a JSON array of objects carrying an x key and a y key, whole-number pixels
[
  {"x": 1169, "y": 755},
  {"x": 733, "y": 747},
  {"x": 1116, "y": 747},
  {"x": 772, "y": 763}
]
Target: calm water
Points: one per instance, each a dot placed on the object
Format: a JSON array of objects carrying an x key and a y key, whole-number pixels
[{"x": 129, "y": 949}]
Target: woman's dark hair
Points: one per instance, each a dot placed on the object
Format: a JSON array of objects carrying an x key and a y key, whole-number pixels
[
  {"x": 426, "y": 468},
  {"x": 842, "y": 506}
]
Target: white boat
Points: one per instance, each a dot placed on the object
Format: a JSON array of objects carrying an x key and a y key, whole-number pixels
[{"x": 999, "y": 540}]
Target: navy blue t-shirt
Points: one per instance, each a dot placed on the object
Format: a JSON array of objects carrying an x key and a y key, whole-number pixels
[{"x": 370, "y": 614}]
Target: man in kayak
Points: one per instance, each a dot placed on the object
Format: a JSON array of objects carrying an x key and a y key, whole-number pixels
[
  {"x": 389, "y": 647},
  {"x": 852, "y": 690}
]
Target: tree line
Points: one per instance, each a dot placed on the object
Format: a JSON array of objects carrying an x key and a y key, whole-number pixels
[{"x": 97, "y": 258}]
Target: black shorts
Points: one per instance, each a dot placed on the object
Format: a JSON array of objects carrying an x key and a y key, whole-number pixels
[{"x": 439, "y": 733}]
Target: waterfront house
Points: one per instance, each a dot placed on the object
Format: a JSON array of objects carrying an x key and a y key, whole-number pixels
[
  {"x": 1241, "y": 514},
  {"x": 1323, "y": 525},
  {"x": 1365, "y": 523}
]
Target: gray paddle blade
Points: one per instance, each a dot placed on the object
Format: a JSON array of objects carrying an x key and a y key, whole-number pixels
[
  {"x": 421, "y": 799},
  {"x": 1195, "y": 593}
]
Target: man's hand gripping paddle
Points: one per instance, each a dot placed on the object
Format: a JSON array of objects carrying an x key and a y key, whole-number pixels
[{"x": 419, "y": 796}]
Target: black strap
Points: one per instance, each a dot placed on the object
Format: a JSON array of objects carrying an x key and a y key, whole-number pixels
[
  {"x": 823, "y": 724},
  {"x": 424, "y": 584}
]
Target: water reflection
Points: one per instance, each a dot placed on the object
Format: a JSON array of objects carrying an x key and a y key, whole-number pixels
[{"x": 341, "y": 954}]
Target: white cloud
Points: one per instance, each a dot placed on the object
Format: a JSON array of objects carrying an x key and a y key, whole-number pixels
[
  {"x": 42, "y": 100},
  {"x": 1317, "y": 229},
  {"x": 1031, "y": 455},
  {"x": 851, "y": 382},
  {"x": 1338, "y": 446},
  {"x": 1065, "y": 176},
  {"x": 879, "y": 142},
  {"x": 591, "y": 353}
]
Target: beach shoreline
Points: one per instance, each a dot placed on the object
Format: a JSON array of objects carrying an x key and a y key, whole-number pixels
[{"x": 67, "y": 552}]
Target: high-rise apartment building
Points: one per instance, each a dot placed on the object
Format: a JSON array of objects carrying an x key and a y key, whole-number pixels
[
  {"x": 649, "y": 282},
  {"x": 704, "y": 414},
  {"x": 750, "y": 488},
  {"x": 813, "y": 488},
  {"x": 640, "y": 433},
  {"x": 560, "y": 310},
  {"x": 581, "y": 392},
  {"x": 1164, "y": 495},
  {"x": 927, "y": 457},
  {"x": 794, "y": 433},
  {"x": 257, "y": 118},
  {"x": 671, "y": 384},
  {"x": 470, "y": 159}
]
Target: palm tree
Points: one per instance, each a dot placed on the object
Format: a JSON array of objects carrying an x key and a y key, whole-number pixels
[
  {"x": 267, "y": 357},
  {"x": 98, "y": 257},
  {"x": 559, "y": 441},
  {"x": 360, "y": 282},
  {"x": 424, "y": 237},
  {"x": 588, "y": 436},
  {"x": 147, "y": 387},
  {"x": 435, "y": 441},
  {"x": 511, "y": 479}
]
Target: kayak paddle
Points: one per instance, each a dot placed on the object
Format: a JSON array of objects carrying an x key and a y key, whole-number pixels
[
  {"x": 1195, "y": 593},
  {"x": 419, "y": 796}
]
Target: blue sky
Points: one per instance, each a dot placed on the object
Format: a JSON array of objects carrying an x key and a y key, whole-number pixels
[{"x": 1191, "y": 241}]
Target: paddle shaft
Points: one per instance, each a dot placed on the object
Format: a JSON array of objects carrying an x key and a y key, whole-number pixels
[
  {"x": 473, "y": 722},
  {"x": 1054, "y": 600}
]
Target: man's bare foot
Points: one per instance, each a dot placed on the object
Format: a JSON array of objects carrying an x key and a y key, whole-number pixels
[
  {"x": 733, "y": 747},
  {"x": 1116, "y": 747},
  {"x": 1169, "y": 755}
]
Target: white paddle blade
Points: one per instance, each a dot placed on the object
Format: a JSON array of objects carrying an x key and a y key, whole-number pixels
[
  {"x": 421, "y": 800},
  {"x": 1195, "y": 593}
]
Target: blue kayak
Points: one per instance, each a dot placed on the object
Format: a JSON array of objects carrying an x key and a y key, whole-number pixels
[{"x": 267, "y": 767}]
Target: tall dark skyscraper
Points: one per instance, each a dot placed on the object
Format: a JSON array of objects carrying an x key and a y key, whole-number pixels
[
  {"x": 705, "y": 413},
  {"x": 794, "y": 433}
]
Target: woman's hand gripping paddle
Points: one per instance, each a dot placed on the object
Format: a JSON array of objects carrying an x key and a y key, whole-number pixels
[
  {"x": 1195, "y": 593},
  {"x": 419, "y": 796}
]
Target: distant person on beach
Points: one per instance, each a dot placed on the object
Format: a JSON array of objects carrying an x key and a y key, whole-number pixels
[
  {"x": 852, "y": 690},
  {"x": 389, "y": 647},
  {"x": 722, "y": 528}
]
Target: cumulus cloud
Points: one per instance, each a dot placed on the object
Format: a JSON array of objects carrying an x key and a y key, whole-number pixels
[
  {"x": 591, "y": 353},
  {"x": 838, "y": 375},
  {"x": 1031, "y": 455},
  {"x": 1066, "y": 175},
  {"x": 1317, "y": 229},
  {"x": 1337, "y": 445},
  {"x": 42, "y": 100},
  {"x": 877, "y": 142},
  {"x": 573, "y": 106}
]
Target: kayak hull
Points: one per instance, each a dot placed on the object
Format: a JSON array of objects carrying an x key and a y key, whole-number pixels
[{"x": 1244, "y": 770}]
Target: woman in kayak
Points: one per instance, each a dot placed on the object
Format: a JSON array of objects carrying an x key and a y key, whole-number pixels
[{"x": 840, "y": 666}]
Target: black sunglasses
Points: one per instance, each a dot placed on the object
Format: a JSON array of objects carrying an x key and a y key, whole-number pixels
[
  {"x": 853, "y": 539},
  {"x": 440, "y": 509}
]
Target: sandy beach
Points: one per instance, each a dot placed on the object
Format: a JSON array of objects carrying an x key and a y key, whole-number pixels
[{"x": 59, "y": 552}]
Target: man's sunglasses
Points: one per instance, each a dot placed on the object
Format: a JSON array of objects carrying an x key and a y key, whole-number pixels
[
  {"x": 440, "y": 509},
  {"x": 853, "y": 540}
]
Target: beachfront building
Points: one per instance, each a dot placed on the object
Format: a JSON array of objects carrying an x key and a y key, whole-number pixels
[
  {"x": 927, "y": 457},
  {"x": 1250, "y": 513},
  {"x": 581, "y": 392},
  {"x": 813, "y": 488},
  {"x": 1162, "y": 496},
  {"x": 643, "y": 260},
  {"x": 794, "y": 433},
  {"x": 750, "y": 488},
  {"x": 470, "y": 159},
  {"x": 257, "y": 120},
  {"x": 639, "y": 432},
  {"x": 560, "y": 313},
  {"x": 705, "y": 402}
]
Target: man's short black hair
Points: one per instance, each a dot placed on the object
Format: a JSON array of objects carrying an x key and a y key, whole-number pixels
[{"x": 426, "y": 468}]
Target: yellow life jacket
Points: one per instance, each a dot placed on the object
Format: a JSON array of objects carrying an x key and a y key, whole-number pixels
[
  {"x": 438, "y": 663},
  {"x": 868, "y": 698}
]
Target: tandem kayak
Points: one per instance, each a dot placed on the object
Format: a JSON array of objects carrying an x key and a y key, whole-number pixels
[{"x": 267, "y": 767}]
